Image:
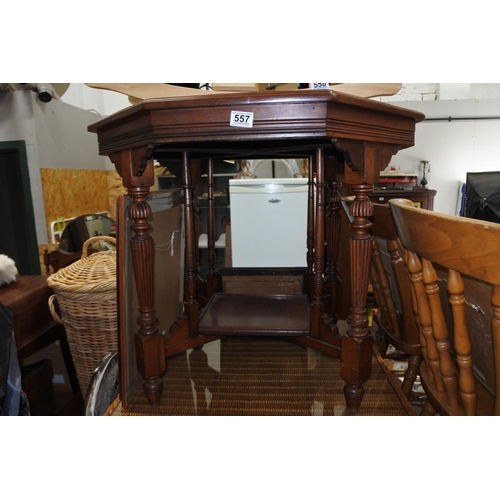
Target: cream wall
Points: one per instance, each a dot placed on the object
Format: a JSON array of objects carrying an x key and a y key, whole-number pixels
[{"x": 453, "y": 147}]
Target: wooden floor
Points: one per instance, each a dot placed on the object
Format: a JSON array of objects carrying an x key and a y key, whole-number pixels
[{"x": 261, "y": 376}]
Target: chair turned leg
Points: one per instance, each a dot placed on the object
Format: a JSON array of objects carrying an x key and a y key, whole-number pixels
[
  {"x": 410, "y": 375},
  {"x": 427, "y": 410},
  {"x": 382, "y": 346}
]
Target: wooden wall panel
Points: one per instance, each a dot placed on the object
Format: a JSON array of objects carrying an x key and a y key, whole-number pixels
[
  {"x": 115, "y": 189},
  {"x": 70, "y": 193}
]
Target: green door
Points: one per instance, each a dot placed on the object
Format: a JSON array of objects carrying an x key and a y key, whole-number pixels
[{"x": 17, "y": 221}]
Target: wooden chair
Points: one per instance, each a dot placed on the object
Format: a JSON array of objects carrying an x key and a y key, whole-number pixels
[
  {"x": 57, "y": 259},
  {"x": 448, "y": 259},
  {"x": 392, "y": 290}
]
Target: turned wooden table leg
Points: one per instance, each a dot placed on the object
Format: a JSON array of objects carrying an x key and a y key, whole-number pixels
[
  {"x": 148, "y": 341},
  {"x": 135, "y": 167},
  {"x": 356, "y": 351},
  {"x": 332, "y": 228},
  {"x": 213, "y": 278},
  {"x": 308, "y": 277},
  {"x": 317, "y": 306},
  {"x": 191, "y": 257}
]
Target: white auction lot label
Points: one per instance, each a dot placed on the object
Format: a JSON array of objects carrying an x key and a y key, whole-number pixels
[
  {"x": 319, "y": 85},
  {"x": 241, "y": 119}
]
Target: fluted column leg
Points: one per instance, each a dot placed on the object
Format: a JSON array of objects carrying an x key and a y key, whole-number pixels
[
  {"x": 148, "y": 341},
  {"x": 135, "y": 167},
  {"x": 357, "y": 344}
]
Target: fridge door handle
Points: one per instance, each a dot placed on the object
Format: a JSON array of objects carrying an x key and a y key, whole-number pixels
[{"x": 274, "y": 200}]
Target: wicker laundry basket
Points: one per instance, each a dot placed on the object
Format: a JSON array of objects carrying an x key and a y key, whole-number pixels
[{"x": 86, "y": 294}]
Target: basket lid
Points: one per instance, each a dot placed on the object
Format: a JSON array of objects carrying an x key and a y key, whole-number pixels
[{"x": 91, "y": 273}]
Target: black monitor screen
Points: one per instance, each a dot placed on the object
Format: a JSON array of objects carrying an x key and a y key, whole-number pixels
[{"x": 483, "y": 196}]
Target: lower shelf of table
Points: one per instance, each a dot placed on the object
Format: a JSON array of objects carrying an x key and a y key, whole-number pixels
[{"x": 241, "y": 314}]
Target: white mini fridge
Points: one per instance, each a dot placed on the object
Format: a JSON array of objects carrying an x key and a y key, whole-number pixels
[{"x": 268, "y": 222}]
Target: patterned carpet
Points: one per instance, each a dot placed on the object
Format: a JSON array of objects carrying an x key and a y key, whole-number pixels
[{"x": 254, "y": 377}]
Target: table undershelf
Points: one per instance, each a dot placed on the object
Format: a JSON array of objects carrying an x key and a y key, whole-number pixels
[{"x": 244, "y": 314}]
